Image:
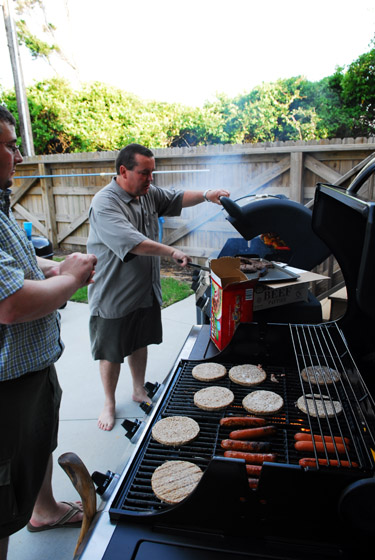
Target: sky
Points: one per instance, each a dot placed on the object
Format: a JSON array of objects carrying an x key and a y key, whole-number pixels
[{"x": 188, "y": 52}]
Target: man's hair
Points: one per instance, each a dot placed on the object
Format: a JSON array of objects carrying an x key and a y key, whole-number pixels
[
  {"x": 6, "y": 117},
  {"x": 127, "y": 155}
]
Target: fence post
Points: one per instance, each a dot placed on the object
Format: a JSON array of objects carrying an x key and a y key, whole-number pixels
[
  {"x": 296, "y": 170},
  {"x": 48, "y": 204}
]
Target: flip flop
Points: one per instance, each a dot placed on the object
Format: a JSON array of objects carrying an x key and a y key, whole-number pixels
[{"x": 61, "y": 523}]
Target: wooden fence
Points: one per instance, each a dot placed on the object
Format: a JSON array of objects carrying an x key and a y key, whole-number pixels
[{"x": 54, "y": 192}]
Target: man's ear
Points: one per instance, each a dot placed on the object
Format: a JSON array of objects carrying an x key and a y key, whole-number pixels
[{"x": 123, "y": 171}]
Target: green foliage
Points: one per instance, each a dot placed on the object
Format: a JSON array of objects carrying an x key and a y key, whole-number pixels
[
  {"x": 37, "y": 47},
  {"x": 100, "y": 117}
]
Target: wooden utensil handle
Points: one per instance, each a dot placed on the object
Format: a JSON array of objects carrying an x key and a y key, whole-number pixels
[{"x": 82, "y": 482}]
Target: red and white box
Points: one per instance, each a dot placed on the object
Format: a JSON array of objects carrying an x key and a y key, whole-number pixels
[{"x": 232, "y": 295}]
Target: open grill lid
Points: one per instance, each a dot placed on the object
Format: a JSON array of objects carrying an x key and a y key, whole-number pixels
[{"x": 289, "y": 219}]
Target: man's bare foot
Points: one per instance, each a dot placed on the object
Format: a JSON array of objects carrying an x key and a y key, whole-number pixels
[
  {"x": 140, "y": 395},
  {"x": 106, "y": 420}
]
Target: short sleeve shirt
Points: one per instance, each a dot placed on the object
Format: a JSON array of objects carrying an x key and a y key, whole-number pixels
[
  {"x": 34, "y": 345},
  {"x": 123, "y": 281}
]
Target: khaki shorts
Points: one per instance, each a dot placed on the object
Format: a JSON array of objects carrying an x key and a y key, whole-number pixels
[
  {"x": 114, "y": 339},
  {"x": 29, "y": 416}
]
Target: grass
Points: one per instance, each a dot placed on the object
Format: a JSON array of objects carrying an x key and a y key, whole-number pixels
[{"x": 172, "y": 290}]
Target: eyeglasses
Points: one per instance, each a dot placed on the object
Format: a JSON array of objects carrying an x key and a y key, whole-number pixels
[{"x": 13, "y": 147}]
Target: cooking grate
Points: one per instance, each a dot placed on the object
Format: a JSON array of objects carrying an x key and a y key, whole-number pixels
[
  {"x": 310, "y": 344},
  {"x": 323, "y": 348}
]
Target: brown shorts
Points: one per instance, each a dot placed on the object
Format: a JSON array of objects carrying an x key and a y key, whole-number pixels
[
  {"x": 29, "y": 417},
  {"x": 114, "y": 339}
]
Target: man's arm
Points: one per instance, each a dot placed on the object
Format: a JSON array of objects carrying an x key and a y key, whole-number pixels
[
  {"x": 155, "y": 249},
  {"x": 48, "y": 267},
  {"x": 191, "y": 198},
  {"x": 38, "y": 298}
]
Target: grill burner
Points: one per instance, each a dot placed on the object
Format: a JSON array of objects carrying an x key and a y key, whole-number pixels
[{"x": 324, "y": 345}]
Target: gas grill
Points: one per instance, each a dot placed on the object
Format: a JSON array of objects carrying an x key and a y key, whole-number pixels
[{"x": 324, "y": 511}]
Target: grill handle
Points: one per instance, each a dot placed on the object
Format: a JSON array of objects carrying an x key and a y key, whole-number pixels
[
  {"x": 362, "y": 176},
  {"x": 233, "y": 209}
]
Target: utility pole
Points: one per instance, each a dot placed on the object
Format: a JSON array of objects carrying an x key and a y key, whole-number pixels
[{"x": 22, "y": 104}]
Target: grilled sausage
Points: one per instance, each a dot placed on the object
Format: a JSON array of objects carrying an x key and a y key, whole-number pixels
[
  {"x": 253, "y": 470},
  {"x": 300, "y": 436},
  {"x": 253, "y": 433},
  {"x": 253, "y": 482},
  {"x": 321, "y": 447},
  {"x": 242, "y": 421},
  {"x": 251, "y": 458},
  {"x": 238, "y": 445},
  {"x": 309, "y": 462}
]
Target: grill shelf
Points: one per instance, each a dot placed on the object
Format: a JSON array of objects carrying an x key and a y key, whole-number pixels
[{"x": 313, "y": 345}]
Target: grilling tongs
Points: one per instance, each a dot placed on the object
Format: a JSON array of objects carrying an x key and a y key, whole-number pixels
[{"x": 193, "y": 265}]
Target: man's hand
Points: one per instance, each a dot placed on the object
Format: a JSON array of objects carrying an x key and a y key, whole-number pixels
[
  {"x": 81, "y": 266},
  {"x": 214, "y": 195},
  {"x": 180, "y": 258}
]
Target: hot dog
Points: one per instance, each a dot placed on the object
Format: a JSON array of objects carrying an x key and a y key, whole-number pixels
[
  {"x": 242, "y": 421},
  {"x": 321, "y": 447},
  {"x": 253, "y": 482},
  {"x": 300, "y": 436},
  {"x": 251, "y": 458},
  {"x": 253, "y": 433},
  {"x": 253, "y": 470},
  {"x": 238, "y": 445},
  {"x": 308, "y": 462}
]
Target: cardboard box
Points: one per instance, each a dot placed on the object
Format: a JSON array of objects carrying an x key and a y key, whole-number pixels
[
  {"x": 282, "y": 293},
  {"x": 231, "y": 299}
]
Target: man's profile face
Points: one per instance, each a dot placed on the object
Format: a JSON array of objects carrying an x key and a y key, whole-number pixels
[
  {"x": 137, "y": 181},
  {"x": 8, "y": 157}
]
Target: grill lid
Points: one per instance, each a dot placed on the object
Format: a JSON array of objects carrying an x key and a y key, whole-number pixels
[{"x": 289, "y": 219}]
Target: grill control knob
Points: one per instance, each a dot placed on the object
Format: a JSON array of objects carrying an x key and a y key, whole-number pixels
[
  {"x": 102, "y": 480},
  {"x": 146, "y": 407},
  {"x": 151, "y": 388},
  {"x": 131, "y": 427}
]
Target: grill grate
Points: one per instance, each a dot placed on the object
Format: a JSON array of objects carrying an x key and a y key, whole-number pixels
[
  {"x": 323, "y": 346},
  {"x": 312, "y": 345}
]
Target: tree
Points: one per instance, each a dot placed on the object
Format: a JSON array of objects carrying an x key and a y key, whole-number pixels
[{"x": 29, "y": 34}]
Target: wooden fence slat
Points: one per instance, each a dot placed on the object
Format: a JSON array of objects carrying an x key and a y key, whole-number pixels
[
  {"x": 27, "y": 217},
  {"x": 21, "y": 191},
  {"x": 322, "y": 170},
  {"x": 73, "y": 226}
]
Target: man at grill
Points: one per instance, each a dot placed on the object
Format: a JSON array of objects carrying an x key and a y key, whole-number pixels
[
  {"x": 31, "y": 290},
  {"x": 126, "y": 298}
]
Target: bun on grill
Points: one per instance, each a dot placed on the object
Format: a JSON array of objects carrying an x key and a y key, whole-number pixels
[
  {"x": 175, "y": 430},
  {"x": 213, "y": 398},
  {"x": 263, "y": 402},
  {"x": 247, "y": 374},
  {"x": 175, "y": 480},
  {"x": 314, "y": 406},
  {"x": 320, "y": 375},
  {"x": 209, "y": 371}
]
